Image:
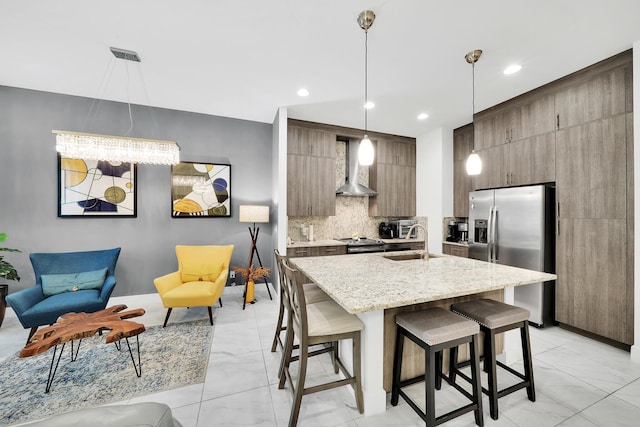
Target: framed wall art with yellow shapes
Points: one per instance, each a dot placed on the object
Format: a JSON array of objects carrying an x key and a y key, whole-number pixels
[
  {"x": 96, "y": 188},
  {"x": 200, "y": 190}
]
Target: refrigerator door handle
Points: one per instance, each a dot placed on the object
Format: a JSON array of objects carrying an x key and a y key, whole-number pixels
[
  {"x": 490, "y": 235},
  {"x": 494, "y": 238}
]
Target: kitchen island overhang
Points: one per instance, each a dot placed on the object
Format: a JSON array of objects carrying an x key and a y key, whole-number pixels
[
  {"x": 369, "y": 285},
  {"x": 369, "y": 282}
]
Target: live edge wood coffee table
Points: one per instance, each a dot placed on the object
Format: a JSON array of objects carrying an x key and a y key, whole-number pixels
[{"x": 76, "y": 326}]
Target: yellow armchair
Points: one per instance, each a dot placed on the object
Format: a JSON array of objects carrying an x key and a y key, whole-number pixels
[{"x": 199, "y": 281}]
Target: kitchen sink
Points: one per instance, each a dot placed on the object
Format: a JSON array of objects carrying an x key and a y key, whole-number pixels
[{"x": 410, "y": 256}]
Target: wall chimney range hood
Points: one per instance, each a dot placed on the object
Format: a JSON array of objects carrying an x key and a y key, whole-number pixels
[{"x": 351, "y": 186}]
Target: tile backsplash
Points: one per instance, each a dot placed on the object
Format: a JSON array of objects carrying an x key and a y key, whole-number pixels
[{"x": 352, "y": 216}]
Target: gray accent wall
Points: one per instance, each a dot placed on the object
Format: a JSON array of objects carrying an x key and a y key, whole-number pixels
[{"x": 28, "y": 185}]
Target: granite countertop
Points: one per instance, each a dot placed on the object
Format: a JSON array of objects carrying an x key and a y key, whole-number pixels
[
  {"x": 370, "y": 282},
  {"x": 333, "y": 242},
  {"x": 455, "y": 243},
  {"x": 402, "y": 240}
]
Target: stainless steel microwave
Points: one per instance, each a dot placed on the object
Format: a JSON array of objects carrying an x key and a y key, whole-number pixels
[{"x": 401, "y": 227}]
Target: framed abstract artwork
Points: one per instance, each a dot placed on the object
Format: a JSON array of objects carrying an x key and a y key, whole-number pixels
[
  {"x": 200, "y": 190},
  {"x": 96, "y": 188}
]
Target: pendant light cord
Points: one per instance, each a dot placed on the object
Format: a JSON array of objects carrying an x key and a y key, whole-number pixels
[
  {"x": 128, "y": 102},
  {"x": 473, "y": 90},
  {"x": 366, "y": 96},
  {"x": 473, "y": 101}
]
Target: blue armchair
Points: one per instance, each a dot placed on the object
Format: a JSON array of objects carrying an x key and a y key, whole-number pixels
[{"x": 74, "y": 282}]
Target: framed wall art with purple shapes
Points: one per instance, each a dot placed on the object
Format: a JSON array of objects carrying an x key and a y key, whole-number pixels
[
  {"x": 200, "y": 190},
  {"x": 96, "y": 188}
]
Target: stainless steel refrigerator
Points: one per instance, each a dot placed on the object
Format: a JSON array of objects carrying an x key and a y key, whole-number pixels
[{"x": 516, "y": 226}]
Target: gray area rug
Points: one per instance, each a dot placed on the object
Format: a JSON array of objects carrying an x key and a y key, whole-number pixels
[{"x": 171, "y": 357}]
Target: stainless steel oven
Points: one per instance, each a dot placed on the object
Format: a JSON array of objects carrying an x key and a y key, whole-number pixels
[{"x": 363, "y": 245}]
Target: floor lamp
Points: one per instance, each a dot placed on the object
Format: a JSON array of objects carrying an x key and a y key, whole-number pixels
[{"x": 254, "y": 213}]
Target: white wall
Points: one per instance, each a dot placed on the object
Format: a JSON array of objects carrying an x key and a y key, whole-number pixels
[
  {"x": 279, "y": 179},
  {"x": 434, "y": 181},
  {"x": 635, "y": 349}
]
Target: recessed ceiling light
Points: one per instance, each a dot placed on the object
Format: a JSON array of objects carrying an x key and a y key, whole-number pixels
[
  {"x": 512, "y": 69},
  {"x": 369, "y": 105},
  {"x": 422, "y": 116},
  {"x": 303, "y": 92}
]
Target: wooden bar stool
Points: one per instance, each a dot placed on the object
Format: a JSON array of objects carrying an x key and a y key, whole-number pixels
[
  {"x": 324, "y": 322},
  {"x": 436, "y": 329},
  {"x": 312, "y": 294},
  {"x": 495, "y": 317}
]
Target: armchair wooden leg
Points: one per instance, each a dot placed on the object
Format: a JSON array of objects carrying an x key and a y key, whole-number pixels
[
  {"x": 220, "y": 301},
  {"x": 210, "y": 315},
  {"x": 166, "y": 319}
]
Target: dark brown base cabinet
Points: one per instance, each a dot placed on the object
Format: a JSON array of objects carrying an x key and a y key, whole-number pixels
[
  {"x": 591, "y": 290},
  {"x": 455, "y": 250},
  {"x": 316, "y": 251}
]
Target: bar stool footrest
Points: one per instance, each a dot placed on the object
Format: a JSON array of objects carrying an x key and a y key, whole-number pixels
[
  {"x": 511, "y": 370},
  {"x": 442, "y": 418},
  {"x": 501, "y": 393}
]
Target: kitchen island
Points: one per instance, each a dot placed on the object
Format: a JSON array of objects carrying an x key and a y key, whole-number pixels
[{"x": 376, "y": 286}]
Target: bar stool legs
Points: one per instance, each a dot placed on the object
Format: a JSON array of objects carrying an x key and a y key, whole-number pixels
[
  {"x": 495, "y": 317},
  {"x": 434, "y": 330}
]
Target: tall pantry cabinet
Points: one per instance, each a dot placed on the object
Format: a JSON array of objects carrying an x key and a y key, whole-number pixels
[
  {"x": 594, "y": 159},
  {"x": 576, "y": 132}
]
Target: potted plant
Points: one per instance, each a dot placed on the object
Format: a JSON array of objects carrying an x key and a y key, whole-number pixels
[
  {"x": 251, "y": 274},
  {"x": 8, "y": 272}
]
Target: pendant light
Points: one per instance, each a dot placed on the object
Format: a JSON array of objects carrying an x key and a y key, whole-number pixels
[
  {"x": 365, "y": 151},
  {"x": 474, "y": 163},
  {"x": 110, "y": 148}
]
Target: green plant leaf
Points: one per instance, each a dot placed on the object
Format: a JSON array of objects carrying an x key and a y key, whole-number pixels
[{"x": 8, "y": 271}]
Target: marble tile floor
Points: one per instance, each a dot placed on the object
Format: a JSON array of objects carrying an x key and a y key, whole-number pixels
[{"x": 579, "y": 382}]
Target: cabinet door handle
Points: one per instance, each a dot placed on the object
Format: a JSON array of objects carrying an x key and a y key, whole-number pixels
[{"x": 557, "y": 121}]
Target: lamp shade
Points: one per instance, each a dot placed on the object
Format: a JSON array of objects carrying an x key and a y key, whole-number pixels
[
  {"x": 365, "y": 152},
  {"x": 474, "y": 164},
  {"x": 254, "y": 213}
]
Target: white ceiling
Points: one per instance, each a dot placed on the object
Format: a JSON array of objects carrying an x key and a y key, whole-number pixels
[{"x": 245, "y": 58}]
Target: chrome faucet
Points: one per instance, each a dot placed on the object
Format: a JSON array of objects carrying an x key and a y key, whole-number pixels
[
  {"x": 426, "y": 238},
  {"x": 426, "y": 232}
]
